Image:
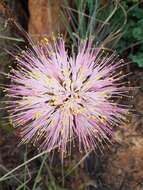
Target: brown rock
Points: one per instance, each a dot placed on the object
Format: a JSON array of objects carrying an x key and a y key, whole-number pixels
[
  {"x": 45, "y": 17},
  {"x": 123, "y": 167}
]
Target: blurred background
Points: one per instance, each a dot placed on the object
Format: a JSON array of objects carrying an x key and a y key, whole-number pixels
[{"x": 114, "y": 25}]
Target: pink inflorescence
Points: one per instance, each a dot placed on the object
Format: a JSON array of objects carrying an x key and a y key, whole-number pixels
[{"x": 57, "y": 99}]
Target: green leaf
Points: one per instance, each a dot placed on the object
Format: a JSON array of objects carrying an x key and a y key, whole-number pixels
[
  {"x": 138, "y": 33},
  {"x": 138, "y": 59}
]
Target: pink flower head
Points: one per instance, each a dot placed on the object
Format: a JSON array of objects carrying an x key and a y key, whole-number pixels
[{"x": 57, "y": 99}]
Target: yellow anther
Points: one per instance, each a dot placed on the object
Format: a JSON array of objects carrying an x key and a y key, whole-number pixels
[
  {"x": 48, "y": 80},
  {"x": 46, "y": 40},
  {"x": 93, "y": 117},
  {"x": 103, "y": 94},
  {"x": 37, "y": 75},
  {"x": 17, "y": 58},
  {"x": 53, "y": 37},
  {"x": 37, "y": 115},
  {"x": 98, "y": 77},
  {"x": 62, "y": 131},
  {"x": 29, "y": 102},
  {"x": 66, "y": 72}
]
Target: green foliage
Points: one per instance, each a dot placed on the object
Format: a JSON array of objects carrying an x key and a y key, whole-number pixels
[
  {"x": 113, "y": 25},
  {"x": 93, "y": 18},
  {"x": 132, "y": 39},
  {"x": 138, "y": 58}
]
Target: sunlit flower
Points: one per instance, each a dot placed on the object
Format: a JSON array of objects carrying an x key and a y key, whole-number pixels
[{"x": 57, "y": 99}]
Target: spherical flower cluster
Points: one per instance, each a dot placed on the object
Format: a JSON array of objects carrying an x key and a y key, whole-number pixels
[{"x": 57, "y": 99}]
